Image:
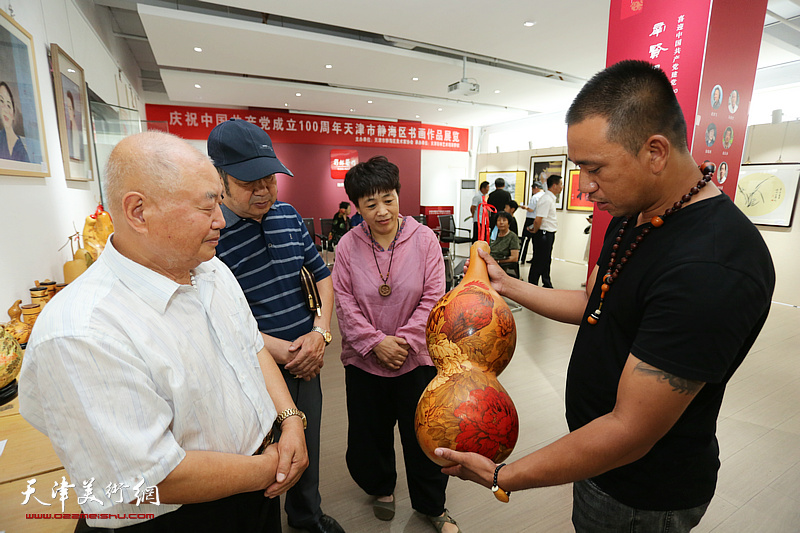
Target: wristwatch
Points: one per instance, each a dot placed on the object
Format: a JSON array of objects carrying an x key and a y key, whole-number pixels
[
  {"x": 325, "y": 334},
  {"x": 292, "y": 411}
]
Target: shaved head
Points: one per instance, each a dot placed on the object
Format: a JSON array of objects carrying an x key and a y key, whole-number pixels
[{"x": 149, "y": 163}]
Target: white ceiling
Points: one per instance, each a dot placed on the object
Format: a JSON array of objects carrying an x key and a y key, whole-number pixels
[{"x": 261, "y": 53}]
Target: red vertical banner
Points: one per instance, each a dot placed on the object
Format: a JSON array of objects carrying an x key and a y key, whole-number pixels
[
  {"x": 701, "y": 45},
  {"x": 729, "y": 71}
]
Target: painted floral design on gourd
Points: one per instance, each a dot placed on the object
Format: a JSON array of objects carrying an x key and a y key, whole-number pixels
[{"x": 471, "y": 337}]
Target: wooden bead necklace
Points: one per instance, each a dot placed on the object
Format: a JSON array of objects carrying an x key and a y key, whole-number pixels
[
  {"x": 385, "y": 289},
  {"x": 614, "y": 267}
]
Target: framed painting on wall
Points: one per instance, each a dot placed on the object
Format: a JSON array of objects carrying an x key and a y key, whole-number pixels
[
  {"x": 576, "y": 200},
  {"x": 72, "y": 109},
  {"x": 544, "y": 166},
  {"x": 767, "y": 194},
  {"x": 515, "y": 182},
  {"x": 22, "y": 143}
]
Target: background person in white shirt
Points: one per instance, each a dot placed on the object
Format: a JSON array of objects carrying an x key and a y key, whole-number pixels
[
  {"x": 544, "y": 230},
  {"x": 151, "y": 370},
  {"x": 537, "y": 191},
  {"x": 483, "y": 190}
]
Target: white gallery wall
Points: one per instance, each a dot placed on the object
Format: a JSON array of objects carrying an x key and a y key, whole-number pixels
[{"x": 38, "y": 214}]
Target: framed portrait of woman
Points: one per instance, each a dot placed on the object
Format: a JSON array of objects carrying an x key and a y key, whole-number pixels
[
  {"x": 22, "y": 142},
  {"x": 72, "y": 107}
]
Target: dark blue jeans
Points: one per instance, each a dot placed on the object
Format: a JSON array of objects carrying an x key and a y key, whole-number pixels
[{"x": 594, "y": 511}]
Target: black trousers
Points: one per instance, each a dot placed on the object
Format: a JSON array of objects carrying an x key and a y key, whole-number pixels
[
  {"x": 247, "y": 512},
  {"x": 302, "y": 501},
  {"x": 374, "y": 405},
  {"x": 542, "y": 256},
  {"x": 527, "y": 236}
]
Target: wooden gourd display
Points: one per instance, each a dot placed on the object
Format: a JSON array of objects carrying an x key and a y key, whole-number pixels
[{"x": 471, "y": 336}]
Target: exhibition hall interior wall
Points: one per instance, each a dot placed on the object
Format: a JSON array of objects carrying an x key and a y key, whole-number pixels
[{"x": 39, "y": 213}]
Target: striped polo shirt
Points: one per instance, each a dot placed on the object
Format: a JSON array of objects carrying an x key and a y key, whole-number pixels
[{"x": 266, "y": 258}]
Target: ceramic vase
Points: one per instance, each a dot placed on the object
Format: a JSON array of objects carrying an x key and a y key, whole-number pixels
[{"x": 471, "y": 337}]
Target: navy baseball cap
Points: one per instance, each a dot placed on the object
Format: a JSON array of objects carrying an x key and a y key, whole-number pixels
[{"x": 244, "y": 151}]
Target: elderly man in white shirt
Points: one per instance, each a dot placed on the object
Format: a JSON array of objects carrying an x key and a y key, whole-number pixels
[
  {"x": 148, "y": 373},
  {"x": 544, "y": 233}
]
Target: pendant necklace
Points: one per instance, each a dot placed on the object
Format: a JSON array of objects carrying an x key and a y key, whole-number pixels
[
  {"x": 384, "y": 290},
  {"x": 615, "y": 267}
]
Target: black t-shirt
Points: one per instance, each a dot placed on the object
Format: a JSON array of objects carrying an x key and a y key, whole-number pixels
[
  {"x": 499, "y": 198},
  {"x": 690, "y": 301}
]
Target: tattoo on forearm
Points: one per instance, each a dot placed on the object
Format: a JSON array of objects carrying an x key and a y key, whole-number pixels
[{"x": 679, "y": 385}]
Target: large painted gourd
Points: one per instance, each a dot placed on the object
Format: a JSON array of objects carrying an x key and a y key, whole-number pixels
[{"x": 471, "y": 337}]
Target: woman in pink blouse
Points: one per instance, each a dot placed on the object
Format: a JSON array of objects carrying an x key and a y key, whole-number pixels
[{"x": 389, "y": 274}]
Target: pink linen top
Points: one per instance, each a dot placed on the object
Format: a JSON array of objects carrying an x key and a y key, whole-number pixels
[{"x": 366, "y": 317}]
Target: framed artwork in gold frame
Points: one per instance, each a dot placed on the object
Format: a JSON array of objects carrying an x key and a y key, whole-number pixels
[
  {"x": 72, "y": 110},
  {"x": 576, "y": 200},
  {"x": 23, "y": 151}
]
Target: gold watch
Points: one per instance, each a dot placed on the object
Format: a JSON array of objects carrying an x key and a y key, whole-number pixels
[
  {"x": 325, "y": 334},
  {"x": 292, "y": 411}
]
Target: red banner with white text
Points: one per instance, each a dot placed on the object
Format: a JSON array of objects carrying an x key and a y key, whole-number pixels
[{"x": 283, "y": 127}]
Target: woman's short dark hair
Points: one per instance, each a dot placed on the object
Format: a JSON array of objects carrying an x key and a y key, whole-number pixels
[
  {"x": 344, "y": 205},
  {"x": 375, "y": 176},
  {"x": 504, "y": 214}
]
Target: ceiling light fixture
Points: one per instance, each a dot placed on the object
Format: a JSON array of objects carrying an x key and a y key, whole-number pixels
[
  {"x": 417, "y": 116},
  {"x": 298, "y": 94},
  {"x": 285, "y": 105},
  {"x": 529, "y": 23},
  {"x": 328, "y": 66},
  {"x": 196, "y": 85},
  {"x": 439, "y": 109},
  {"x": 497, "y": 91},
  {"x": 198, "y": 49},
  {"x": 369, "y": 101},
  {"x": 414, "y": 79},
  {"x": 352, "y": 110}
]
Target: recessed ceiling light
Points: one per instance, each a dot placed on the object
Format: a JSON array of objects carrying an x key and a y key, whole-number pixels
[
  {"x": 417, "y": 116},
  {"x": 198, "y": 49},
  {"x": 285, "y": 105},
  {"x": 439, "y": 109},
  {"x": 529, "y": 23},
  {"x": 196, "y": 85},
  {"x": 415, "y": 79},
  {"x": 328, "y": 66},
  {"x": 352, "y": 110},
  {"x": 369, "y": 101},
  {"x": 298, "y": 94},
  {"x": 497, "y": 91},
  {"x": 72, "y": 70}
]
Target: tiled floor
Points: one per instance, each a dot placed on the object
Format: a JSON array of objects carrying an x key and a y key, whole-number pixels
[{"x": 759, "y": 433}]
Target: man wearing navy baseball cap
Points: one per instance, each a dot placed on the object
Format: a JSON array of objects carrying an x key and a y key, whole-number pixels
[{"x": 266, "y": 244}]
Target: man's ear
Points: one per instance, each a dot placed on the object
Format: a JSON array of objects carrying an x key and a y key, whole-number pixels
[
  {"x": 134, "y": 211},
  {"x": 658, "y": 150}
]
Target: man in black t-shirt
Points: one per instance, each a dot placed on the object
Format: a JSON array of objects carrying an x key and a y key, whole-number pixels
[
  {"x": 498, "y": 198},
  {"x": 652, "y": 357}
]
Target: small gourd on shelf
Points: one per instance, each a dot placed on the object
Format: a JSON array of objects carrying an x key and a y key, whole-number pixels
[{"x": 471, "y": 336}]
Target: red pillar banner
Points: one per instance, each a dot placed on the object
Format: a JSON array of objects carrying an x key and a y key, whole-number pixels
[{"x": 709, "y": 50}]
